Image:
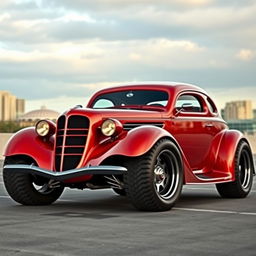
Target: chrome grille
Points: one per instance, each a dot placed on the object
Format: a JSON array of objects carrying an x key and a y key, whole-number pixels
[{"x": 71, "y": 140}]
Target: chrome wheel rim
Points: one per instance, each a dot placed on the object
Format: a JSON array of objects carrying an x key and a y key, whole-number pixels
[
  {"x": 166, "y": 174},
  {"x": 44, "y": 189},
  {"x": 245, "y": 169}
]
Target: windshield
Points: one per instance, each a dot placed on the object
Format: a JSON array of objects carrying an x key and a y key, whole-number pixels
[{"x": 139, "y": 99}]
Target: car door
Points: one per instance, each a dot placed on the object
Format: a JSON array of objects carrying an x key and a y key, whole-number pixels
[{"x": 194, "y": 128}]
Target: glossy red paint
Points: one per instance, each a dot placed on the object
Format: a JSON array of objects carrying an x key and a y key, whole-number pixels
[
  {"x": 27, "y": 142},
  {"x": 226, "y": 151},
  {"x": 206, "y": 145},
  {"x": 135, "y": 143}
]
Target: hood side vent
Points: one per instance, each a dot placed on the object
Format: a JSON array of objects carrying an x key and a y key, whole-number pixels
[{"x": 130, "y": 126}]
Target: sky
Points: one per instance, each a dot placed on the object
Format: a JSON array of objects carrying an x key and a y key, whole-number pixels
[{"x": 58, "y": 53}]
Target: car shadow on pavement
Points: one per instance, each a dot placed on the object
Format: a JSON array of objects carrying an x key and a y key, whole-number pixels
[{"x": 112, "y": 204}]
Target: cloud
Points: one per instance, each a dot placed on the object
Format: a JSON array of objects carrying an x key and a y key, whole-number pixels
[
  {"x": 245, "y": 55},
  {"x": 164, "y": 53},
  {"x": 82, "y": 62},
  {"x": 58, "y": 21},
  {"x": 103, "y": 5},
  {"x": 233, "y": 94},
  {"x": 51, "y": 49}
]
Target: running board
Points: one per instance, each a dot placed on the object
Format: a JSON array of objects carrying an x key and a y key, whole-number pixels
[
  {"x": 209, "y": 179},
  {"x": 65, "y": 175}
]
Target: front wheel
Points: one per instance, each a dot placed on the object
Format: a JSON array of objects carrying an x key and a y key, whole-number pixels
[
  {"x": 120, "y": 192},
  {"x": 154, "y": 181},
  {"x": 28, "y": 189},
  {"x": 243, "y": 174}
]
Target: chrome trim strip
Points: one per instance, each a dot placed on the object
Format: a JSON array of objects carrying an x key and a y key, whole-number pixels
[
  {"x": 130, "y": 126},
  {"x": 61, "y": 176}
]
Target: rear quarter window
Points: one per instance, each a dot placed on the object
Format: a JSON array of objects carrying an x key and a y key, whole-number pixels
[{"x": 189, "y": 103}]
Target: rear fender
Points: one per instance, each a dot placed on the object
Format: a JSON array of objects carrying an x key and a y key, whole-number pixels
[
  {"x": 225, "y": 159},
  {"x": 27, "y": 143}
]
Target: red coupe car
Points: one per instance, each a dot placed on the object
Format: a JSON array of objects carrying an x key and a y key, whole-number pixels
[{"x": 144, "y": 141}]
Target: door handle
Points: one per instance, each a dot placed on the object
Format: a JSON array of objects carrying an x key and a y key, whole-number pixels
[{"x": 209, "y": 125}]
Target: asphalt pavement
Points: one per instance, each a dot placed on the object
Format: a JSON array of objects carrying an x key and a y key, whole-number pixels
[{"x": 103, "y": 223}]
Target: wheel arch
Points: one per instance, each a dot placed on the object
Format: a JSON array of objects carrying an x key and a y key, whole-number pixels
[
  {"x": 26, "y": 143},
  {"x": 120, "y": 159},
  {"x": 227, "y": 150},
  {"x": 136, "y": 143},
  {"x": 25, "y": 158}
]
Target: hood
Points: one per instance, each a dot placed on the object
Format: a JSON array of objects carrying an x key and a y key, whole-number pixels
[{"x": 121, "y": 114}]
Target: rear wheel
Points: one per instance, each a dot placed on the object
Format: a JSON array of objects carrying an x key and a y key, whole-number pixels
[
  {"x": 29, "y": 189},
  {"x": 154, "y": 181},
  {"x": 243, "y": 174}
]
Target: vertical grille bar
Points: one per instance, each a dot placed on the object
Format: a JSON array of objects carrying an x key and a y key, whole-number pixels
[
  {"x": 59, "y": 142},
  {"x": 71, "y": 140}
]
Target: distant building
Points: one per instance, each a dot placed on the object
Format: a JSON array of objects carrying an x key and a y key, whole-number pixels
[
  {"x": 20, "y": 107},
  {"x": 10, "y": 106},
  {"x": 222, "y": 113},
  {"x": 238, "y": 110},
  {"x": 244, "y": 126},
  {"x": 30, "y": 118}
]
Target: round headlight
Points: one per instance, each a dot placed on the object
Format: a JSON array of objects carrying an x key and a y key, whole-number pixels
[
  {"x": 42, "y": 128},
  {"x": 108, "y": 127}
]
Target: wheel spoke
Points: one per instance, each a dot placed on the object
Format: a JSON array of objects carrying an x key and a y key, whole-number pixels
[
  {"x": 158, "y": 187},
  {"x": 45, "y": 189},
  {"x": 166, "y": 174}
]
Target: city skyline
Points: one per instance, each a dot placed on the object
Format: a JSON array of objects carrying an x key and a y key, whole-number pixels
[
  {"x": 63, "y": 103},
  {"x": 57, "y": 52},
  {"x": 239, "y": 114},
  {"x": 11, "y": 107}
]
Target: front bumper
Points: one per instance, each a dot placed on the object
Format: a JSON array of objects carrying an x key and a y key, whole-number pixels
[{"x": 65, "y": 175}]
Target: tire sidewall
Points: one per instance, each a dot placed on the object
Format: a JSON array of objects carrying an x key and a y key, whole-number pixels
[
  {"x": 241, "y": 148},
  {"x": 168, "y": 145},
  {"x": 20, "y": 187}
]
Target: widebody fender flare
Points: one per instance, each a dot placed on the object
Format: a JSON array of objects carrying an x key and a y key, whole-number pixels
[
  {"x": 227, "y": 150},
  {"x": 26, "y": 142},
  {"x": 137, "y": 142}
]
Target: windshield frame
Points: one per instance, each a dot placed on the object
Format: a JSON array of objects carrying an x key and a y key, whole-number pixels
[{"x": 129, "y": 107}]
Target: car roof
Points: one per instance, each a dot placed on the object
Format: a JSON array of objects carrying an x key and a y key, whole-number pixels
[{"x": 173, "y": 87}]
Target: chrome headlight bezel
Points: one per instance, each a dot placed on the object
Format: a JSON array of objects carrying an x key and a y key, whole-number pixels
[
  {"x": 108, "y": 128},
  {"x": 43, "y": 128}
]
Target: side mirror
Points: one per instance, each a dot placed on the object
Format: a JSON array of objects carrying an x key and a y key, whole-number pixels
[{"x": 186, "y": 107}]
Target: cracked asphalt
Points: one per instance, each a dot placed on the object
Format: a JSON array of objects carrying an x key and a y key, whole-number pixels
[{"x": 103, "y": 223}]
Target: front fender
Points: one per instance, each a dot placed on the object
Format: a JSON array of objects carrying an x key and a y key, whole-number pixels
[
  {"x": 226, "y": 154},
  {"x": 136, "y": 143},
  {"x": 27, "y": 142}
]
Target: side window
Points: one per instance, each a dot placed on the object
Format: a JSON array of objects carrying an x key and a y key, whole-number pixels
[
  {"x": 103, "y": 103},
  {"x": 211, "y": 105},
  {"x": 189, "y": 103}
]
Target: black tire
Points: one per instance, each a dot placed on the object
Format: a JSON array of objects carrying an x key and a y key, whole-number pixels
[
  {"x": 154, "y": 180},
  {"x": 242, "y": 185},
  {"x": 22, "y": 187},
  {"x": 120, "y": 192}
]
